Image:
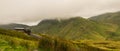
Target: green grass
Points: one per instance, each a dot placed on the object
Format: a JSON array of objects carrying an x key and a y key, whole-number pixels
[
  {"x": 48, "y": 43},
  {"x": 98, "y": 45},
  {"x": 8, "y": 43},
  {"x": 57, "y": 44},
  {"x": 17, "y": 34},
  {"x": 11, "y": 40}
]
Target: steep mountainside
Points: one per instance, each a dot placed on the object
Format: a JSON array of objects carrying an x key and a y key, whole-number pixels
[
  {"x": 74, "y": 28},
  {"x": 110, "y": 19}
]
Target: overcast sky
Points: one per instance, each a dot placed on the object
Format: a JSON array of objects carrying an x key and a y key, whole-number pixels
[{"x": 32, "y": 11}]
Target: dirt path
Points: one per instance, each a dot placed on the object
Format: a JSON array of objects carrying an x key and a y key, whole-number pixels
[{"x": 35, "y": 36}]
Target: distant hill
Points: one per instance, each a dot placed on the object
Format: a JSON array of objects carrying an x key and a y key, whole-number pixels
[
  {"x": 13, "y": 25},
  {"x": 108, "y": 18},
  {"x": 74, "y": 28}
]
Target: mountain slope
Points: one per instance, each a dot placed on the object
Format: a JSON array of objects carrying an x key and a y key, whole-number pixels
[
  {"x": 108, "y": 18},
  {"x": 73, "y": 28},
  {"x": 11, "y": 40}
]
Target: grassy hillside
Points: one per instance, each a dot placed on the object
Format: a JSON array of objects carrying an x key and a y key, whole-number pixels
[
  {"x": 18, "y": 41},
  {"x": 57, "y": 44},
  {"x": 110, "y": 19},
  {"x": 13, "y": 33},
  {"x": 74, "y": 28}
]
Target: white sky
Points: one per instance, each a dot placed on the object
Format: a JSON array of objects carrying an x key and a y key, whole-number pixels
[{"x": 32, "y": 11}]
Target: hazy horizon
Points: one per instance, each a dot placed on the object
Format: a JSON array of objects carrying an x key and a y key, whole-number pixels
[{"x": 31, "y": 12}]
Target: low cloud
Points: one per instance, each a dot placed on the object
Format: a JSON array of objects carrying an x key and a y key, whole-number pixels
[{"x": 32, "y": 11}]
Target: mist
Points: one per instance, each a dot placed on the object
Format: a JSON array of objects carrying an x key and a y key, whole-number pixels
[{"x": 31, "y": 12}]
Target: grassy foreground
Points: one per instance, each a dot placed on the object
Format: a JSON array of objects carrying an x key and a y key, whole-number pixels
[
  {"x": 18, "y": 41},
  {"x": 8, "y": 43},
  {"x": 57, "y": 44}
]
